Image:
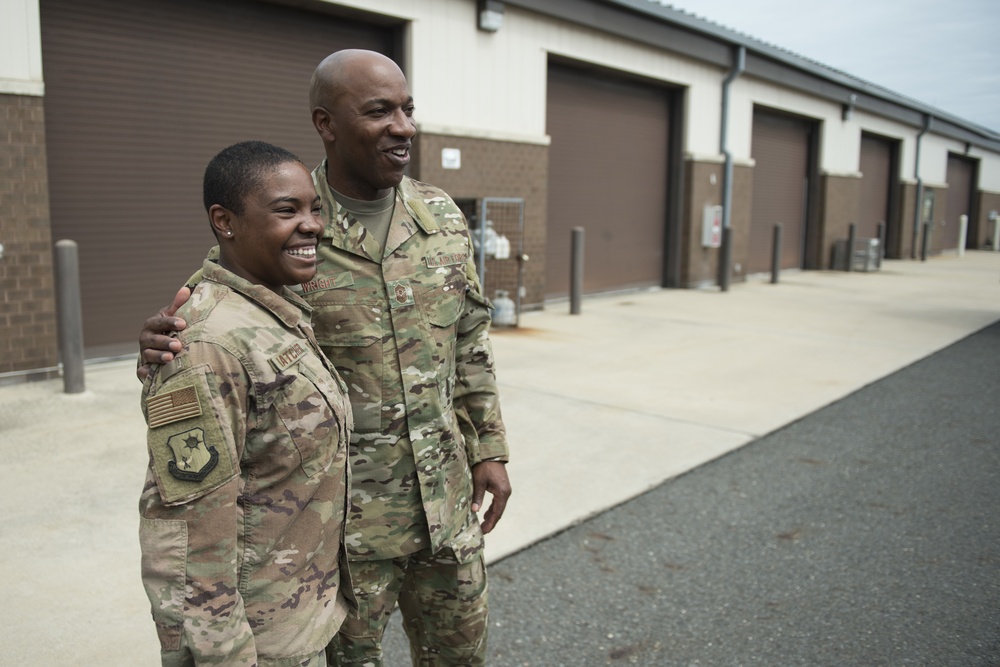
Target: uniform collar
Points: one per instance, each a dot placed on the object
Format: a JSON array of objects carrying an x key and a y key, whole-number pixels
[
  {"x": 288, "y": 307},
  {"x": 406, "y": 192}
]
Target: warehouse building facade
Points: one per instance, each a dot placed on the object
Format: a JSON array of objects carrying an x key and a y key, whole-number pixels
[{"x": 646, "y": 126}]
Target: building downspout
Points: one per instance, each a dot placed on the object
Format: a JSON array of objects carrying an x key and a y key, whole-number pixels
[
  {"x": 920, "y": 187},
  {"x": 726, "y": 250}
]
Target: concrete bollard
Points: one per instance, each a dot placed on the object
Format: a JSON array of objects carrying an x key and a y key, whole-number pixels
[
  {"x": 881, "y": 245},
  {"x": 963, "y": 233},
  {"x": 852, "y": 239},
  {"x": 725, "y": 258},
  {"x": 70, "y": 316},
  {"x": 576, "y": 271},
  {"x": 776, "y": 254}
]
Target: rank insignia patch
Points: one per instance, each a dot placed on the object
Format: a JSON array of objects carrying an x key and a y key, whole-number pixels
[
  {"x": 401, "y": 292},
  {"x": 173, "y": 406},
  {"x": 193, "y": 459}
]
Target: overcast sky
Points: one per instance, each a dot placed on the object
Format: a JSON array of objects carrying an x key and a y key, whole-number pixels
[{"x": 945, "y": 53}]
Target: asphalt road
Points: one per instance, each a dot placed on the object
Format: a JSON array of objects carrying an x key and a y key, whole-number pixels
[{"x": 867, "y": 533}]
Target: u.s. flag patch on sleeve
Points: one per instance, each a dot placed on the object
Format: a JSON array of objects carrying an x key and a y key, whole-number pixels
[{"x": 173, "y": 406}]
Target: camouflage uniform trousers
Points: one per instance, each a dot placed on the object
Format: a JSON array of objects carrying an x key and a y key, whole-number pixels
[
  {"x": 443, "y": 603},
  {"x": 318, "y": 660}
]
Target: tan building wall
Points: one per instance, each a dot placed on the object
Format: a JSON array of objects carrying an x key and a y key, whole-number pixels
[
  {"x": 27, "y": 298},
  {"x": 495, "y": 169}
]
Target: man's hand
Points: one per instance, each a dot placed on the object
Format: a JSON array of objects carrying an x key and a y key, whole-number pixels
[
  {"x": 490, "y": 476},
  {"x": 156, "y": 346}
]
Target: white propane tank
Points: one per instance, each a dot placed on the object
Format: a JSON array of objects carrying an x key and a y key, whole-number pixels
[
  {"x": 503, "y": 247},
  {"x": 503, "y": 310}
]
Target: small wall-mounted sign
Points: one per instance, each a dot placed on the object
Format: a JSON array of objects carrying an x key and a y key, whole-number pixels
[{"x": 451, "y": 158}]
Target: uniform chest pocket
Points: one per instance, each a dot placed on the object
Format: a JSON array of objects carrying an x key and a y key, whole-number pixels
[
  {"x": 441, "y": 308},
  {"x": 308, "y": 408},
  {"x": 351, "y": 337}
]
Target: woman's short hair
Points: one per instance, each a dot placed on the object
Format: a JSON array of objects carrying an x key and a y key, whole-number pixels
[{"x": 240, "y": 169}]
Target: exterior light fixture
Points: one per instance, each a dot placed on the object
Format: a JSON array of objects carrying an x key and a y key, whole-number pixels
[
  {"x": 848, "y": 109},
  {"x": 489, "y": 15}
]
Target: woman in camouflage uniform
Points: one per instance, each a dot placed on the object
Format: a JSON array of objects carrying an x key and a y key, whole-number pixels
[{"x": 242, "y": 512}]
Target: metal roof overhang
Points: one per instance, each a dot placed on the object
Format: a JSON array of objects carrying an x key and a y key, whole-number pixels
[{"x": 664, "y": 27}]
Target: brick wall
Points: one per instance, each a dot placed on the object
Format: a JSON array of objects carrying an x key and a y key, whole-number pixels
[
  {"x": 981, "y": 233},
  {"x": 699, "y": 265},
  {"x": 938, "y": 232},
  {"x": 496, "y": 169},
  {"x": 840, "y": 199},
  {"x": 908, "y": 246},
  {"x": 27, "y": 301}
]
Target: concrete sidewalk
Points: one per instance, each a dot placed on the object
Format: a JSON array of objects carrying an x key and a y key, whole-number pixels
[{"x": 599, "y": 407}]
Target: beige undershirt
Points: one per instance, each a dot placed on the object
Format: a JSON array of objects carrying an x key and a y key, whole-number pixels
[{"x": 374, "y": 215}]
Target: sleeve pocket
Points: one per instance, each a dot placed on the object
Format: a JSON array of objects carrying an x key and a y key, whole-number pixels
[{"x": 164, "y": 570}]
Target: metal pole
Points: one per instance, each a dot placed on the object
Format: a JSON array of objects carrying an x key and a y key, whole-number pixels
[
  {"x": 881, "y": 245},
  {"x": 776, "y": 255},
  {"x": 852, "y": 235},
  {"x": 725, "y": 258},
  {"x": 963, "y": 234},
  {"x": 726, "y": 248},
  {"x": 925, "y": 241},
  {"x": 70, "y": 316},
  {"x": 482, "y": 248},
  {"x": 576, "y": 271}
]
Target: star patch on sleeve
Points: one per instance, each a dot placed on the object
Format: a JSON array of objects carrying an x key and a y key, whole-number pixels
[{"x": 193, "y": 459}]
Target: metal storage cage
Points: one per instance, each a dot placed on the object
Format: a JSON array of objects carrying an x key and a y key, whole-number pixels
[
  {"x": 498, "y": 239},
  {"x": 867, "y": 255}
]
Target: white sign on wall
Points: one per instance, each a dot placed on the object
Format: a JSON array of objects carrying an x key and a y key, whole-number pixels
[{"x": 451, "y": 158}]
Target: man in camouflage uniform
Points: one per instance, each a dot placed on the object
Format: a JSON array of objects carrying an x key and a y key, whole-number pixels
[
  {"x": 242, "y": 512},
  {"x": 400, "y": 312}
]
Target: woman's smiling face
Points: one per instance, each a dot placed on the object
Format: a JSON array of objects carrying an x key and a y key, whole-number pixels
[{"x": 274, "y": 238}]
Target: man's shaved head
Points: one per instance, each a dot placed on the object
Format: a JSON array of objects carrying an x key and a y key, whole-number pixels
[
  {"x": 335, "y": 74},
  {"x": 363, "y": 111}
]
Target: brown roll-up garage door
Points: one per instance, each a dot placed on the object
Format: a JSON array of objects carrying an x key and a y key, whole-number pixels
[
  {"x": 140, "y": 94},
  {"x": 780, "y": 150},
  {"x": 608, "y": 174},
  {"x": 961, "y": 177},
  {"x": 877, "y": 179}
]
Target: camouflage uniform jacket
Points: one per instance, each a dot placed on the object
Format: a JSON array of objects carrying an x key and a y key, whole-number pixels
[
  {"x": 242, "y": 512},
  {"x": 409, "y": 334}
]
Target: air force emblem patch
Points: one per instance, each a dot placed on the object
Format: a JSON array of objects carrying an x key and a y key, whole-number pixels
[
  {"x": 190, "y": 453},
  {"x": 193, "y": 459}
]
